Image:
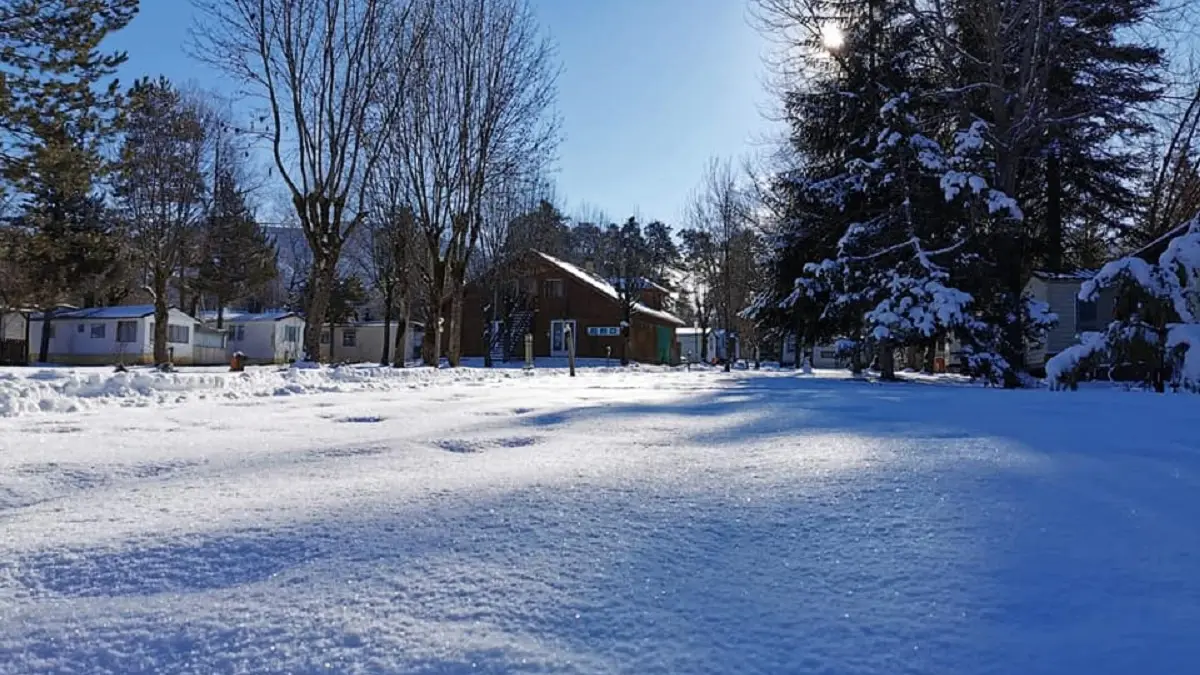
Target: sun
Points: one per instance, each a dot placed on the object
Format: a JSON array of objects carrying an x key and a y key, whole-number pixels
[{"x": 832, "y": 37}]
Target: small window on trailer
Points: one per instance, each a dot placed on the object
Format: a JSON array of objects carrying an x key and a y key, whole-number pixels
[
  {"x": 126, "y": 331},
  {"x": 98, "y": 331},
  {"x": 179, "y": 335},
  {"x": 349, "y": 337}
]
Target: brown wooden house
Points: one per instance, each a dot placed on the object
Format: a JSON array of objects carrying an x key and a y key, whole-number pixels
[{"x": 551, "y": 299}]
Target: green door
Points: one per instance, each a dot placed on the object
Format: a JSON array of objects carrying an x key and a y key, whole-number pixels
[{"x": 664, "y": 344}]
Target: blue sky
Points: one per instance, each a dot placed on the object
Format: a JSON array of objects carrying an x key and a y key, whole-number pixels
[{"x": 650, "y": 89}]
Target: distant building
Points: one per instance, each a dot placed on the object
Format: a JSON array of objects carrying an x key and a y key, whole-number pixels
[
  {"x": 112, "y": 335},
  {"x": 553, "y": 300},
  {"x": 262, "y": 337},
  {"x": 363, "y": 341}
]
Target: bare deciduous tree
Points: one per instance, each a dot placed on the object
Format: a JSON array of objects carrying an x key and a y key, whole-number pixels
[
  {"x": 481, "y": 93},
  {"x": 719, "y": 209},
  {"x": 328, "y": 71},
  {"x": 160, "y": 185}
]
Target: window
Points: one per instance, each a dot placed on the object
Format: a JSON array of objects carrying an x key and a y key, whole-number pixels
[
  {"x": 79, "y": 328},
  {"x": 529, "y": 285},
  {"x": 349, "y": 337},
  {"x": 554, "y": 288},
  {"x": 828, "y": 354},
  {"x": 237, "y": 333},
  {"x": 126, "y": 331},
  {"x": 291, "y": 333},
  {"x": 97, "y": 331},
  {"x": 604, "y": 331},
  {"x": 178, "y": 334},
  {"x": 52, "y": 330},
  {"x": 324, "y": 337}
]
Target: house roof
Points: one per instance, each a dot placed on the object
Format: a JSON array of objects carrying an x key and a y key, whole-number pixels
[
  {"x": 1155, "y": 247},
  {"x": 608, "y": 290},
  {"x": 1077, "y": 275},
  {"x": 249, "y": 317},
  {"x": 117, "y": 312},
  {"x": 642, "y": 282}
]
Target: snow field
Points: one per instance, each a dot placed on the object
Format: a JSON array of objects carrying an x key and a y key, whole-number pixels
[{"x": 617, "y": 522}]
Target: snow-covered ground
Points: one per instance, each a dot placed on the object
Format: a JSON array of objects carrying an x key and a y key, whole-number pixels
[{"x": 639, "y": 522}]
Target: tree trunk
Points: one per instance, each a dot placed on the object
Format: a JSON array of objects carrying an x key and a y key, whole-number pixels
[
  {"x": 220, "y": 314},
  {"x": 401, "y": 353},
  {"x": 332, "y": 331},
  {"x": 44, "y": 347},
  {"x": 431, "y": 350},
  {"x": 320, "y": 285},
  {"x": 161, "y": 319},
  {"x": 456, "y": 316},
  {"x": 489, "y": 330},
  {"x": 887, "y": 362},
  {"x": 930, "y": 357},
  {"x": 1054, "y": 215},
  {"x": 389, "y": 293},
  {"x": 725, "y": 337},
  {"x": 626, "y": 332}
]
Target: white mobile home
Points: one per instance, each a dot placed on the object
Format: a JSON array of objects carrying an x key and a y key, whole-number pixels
[
  {"x": 822, "y": 356},
  {"x": 362, "y": 342},
  {"x": 690, "y": 344},
  {"x": 13, "y": 326},
  {"x": 111, "y": 335},
  {"x": 1061, "y": 292},
  {"x": 264, "y": 337}
]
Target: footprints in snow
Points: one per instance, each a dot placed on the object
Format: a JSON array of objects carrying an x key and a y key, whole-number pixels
[{"x": 474, "y": 445}]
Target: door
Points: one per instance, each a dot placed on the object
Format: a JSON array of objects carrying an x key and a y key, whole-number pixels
[
  {"x": 663, "y": 336},
  {"x": 558, "y": 336}
]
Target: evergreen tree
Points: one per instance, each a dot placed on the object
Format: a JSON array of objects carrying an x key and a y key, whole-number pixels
[
  {"x": 237, "y": 258},
  {"x": 160, "y": 186},
  {"x": 543, "y": 229},
  {"x": 55, "y": 81},
  {"x": 662, "y": 250},
  {"x": 74, "y": 252},
  {"x": 1098, "y": 87}
]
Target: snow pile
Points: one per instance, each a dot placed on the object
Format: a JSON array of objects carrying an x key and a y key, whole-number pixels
[{"x": 69, "y": 390}]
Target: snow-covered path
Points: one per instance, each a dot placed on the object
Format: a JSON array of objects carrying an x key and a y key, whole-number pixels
[{"x": 638, "y": 523}]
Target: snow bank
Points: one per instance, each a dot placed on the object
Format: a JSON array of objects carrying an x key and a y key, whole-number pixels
[{"x": 67, "y": 390}]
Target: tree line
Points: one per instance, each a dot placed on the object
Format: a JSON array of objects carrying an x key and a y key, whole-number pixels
[{"x": 939, "y": 153}]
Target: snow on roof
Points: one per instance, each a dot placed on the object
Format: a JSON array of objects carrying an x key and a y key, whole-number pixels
[
  {"x": 643, "y": 283},
  {"x": 1174, "y": 232},
  {"x": 117, "y": 312},
  {"x": 608, "y": 290},
  {"x": 248, "y": 317},
  {"x": 1077, "y": 275}
]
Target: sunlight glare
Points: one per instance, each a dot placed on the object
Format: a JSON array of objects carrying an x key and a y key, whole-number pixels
[{"x": 832, "y": 37}]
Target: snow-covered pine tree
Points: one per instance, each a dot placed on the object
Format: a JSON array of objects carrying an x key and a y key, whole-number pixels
[
  {"x": 843, "y": 50},
  {"x": 897, "y": 271}
]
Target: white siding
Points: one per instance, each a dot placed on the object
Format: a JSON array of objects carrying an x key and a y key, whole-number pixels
[
  {"x": 264, "y": 341},
  {"x": 368, "y": 343},
  {"x": 288, "y": 350},
  {"x": 12, "y": 326}
]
